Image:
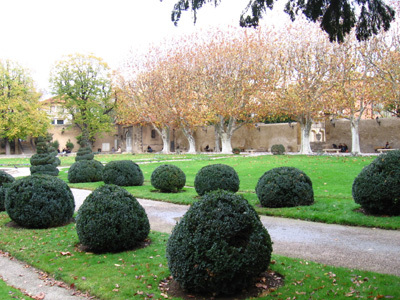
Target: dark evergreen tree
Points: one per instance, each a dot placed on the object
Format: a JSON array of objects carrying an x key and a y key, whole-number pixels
[
  {"x": 45, "y": 161},
  {"x": 336, "y": 17}
]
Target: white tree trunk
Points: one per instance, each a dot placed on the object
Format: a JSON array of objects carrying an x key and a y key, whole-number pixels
[
  {"x": 192, "y": 142},
  {"x": 165, "y": 135},
  {"x": 226, "y": 143},
  {"x": 226, "y": 133},
  {"x": 305, "y": 147},
  {"x": 355, "y": 136},
  {"x": 217, "y": 147}
]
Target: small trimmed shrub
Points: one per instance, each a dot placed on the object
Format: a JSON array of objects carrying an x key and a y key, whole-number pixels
[
  {"x": 377, "y": 187},
  {"x": 278, "y": 149},
  {"x": 111, "y": 220},
  {"x": 219, "y": 246},
  {"x": 236, "y": 151},
  {"x": 123, "y": 173},
  {"x": 168, "y": 178},
  {"x": 84, "y": 153},
  {"x": 40, "y": 201},
  {"x": 85, "y": 171},
  {"x": 45, "y": 161},
  {"x": 284, "y": 187},
  {"x": 70, "y": 145},
  {"x": 5, "y": 180},
  {"x": 214, "y": 177}
]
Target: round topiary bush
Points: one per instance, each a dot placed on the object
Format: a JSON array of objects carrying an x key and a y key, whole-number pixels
[
  {"x": 5, "y": 180},
  {"x": 219, "y": 246},
  {"x": 278, "y": 149},
  {"x": 214, "y": 177},
  {"x": 85, "y": 171},
  {"x": 40, "y": 201},
  {"x": 123, "y": 173},
  {"x": 84, "y": 153},
  {"x": 168, "y": 178},
  {"x": 111, "y": 219},
  {"x": 377, "y": 187},
  {"x": 285, "y": 187}
]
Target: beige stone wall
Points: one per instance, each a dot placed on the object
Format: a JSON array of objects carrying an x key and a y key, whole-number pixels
[
  {"x": 261, "y": 137},
  {"x": 372, "y": 135},
  {"x": 62, "y": 133}
]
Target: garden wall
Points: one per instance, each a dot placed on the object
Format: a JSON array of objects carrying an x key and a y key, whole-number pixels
[{"x": 372, "y": 134}]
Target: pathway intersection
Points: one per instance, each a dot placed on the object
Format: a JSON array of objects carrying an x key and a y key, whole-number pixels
[{"x": 352, "y": 247}]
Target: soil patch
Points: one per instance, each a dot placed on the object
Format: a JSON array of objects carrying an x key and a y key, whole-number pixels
[{"x": 266, "y": 283}]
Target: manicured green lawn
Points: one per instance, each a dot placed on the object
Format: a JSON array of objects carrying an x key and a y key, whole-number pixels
[
  {"x": 136, "y": 274},
  {"x": 8, "y": 292},
  {"x": 332, "y": 178},
  {"x": 105, "y": 158}
]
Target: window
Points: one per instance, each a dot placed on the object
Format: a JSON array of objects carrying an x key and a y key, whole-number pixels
[
  {"x": 60, "y": 122},
  {"x": 53, "y": 122},
  {"x": 153, "y": 134}
]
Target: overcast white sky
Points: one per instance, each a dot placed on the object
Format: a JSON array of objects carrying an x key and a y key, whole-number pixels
[{"x": 38, "y": 33}]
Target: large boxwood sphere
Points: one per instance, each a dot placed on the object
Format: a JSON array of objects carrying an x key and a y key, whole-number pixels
[
  {"x": 377, "y": 187},
  {"x": 111, "y": 219},
  {"x": 219, "y": 246},
  {"x": 5, "y": 180},
  {"x": 285, "y": 187},
  {"x": 40, "y": 201},
  {"x": 168, "y": 178},
  {"x": 85, "y": 171},
  {"x": 214, "y": 177},
  {"x": 123, "y": 173}
]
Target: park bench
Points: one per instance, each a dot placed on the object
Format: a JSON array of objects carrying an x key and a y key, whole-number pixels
[
  {"x": 331, "y": 150},
  {"x": 381, "y": 150},
  {"x": 251, "y": 151}
]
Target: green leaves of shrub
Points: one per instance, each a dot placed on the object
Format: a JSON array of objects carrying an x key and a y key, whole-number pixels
[
  {"x": 278, "y": 149},
  {"x": 284, "y": 187},
  {"x": 111, "y": 219},
  {"x": 85, "y": 171},
  {"x": 219, "y": 245},
  {"x": 123, "y": 173},
  {"x": 168, "y": 178},
  {"x": 377, "y": 187},
  {"x": 5, "y": 180},
  {"x": 40, "y": 201},
  {"x": 214, "y": 177}
]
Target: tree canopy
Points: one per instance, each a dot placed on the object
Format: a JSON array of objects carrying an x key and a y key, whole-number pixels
[
  {"x": 336, "y": 17},
  {"x": 84, "y": 83},
  {"x": 20, "y": 113}
]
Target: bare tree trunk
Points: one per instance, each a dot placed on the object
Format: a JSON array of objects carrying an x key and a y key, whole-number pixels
[
  {"x": 305, "y": 125},
  {"x": 226, "y": 134},
  {"x": 217, "y": 147},
  {"x": 165, "y": 134},
  {"x": 192, "y": 142},
  {"x": 355, "y": 136},
  {"x": 226, "y": 143}
]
